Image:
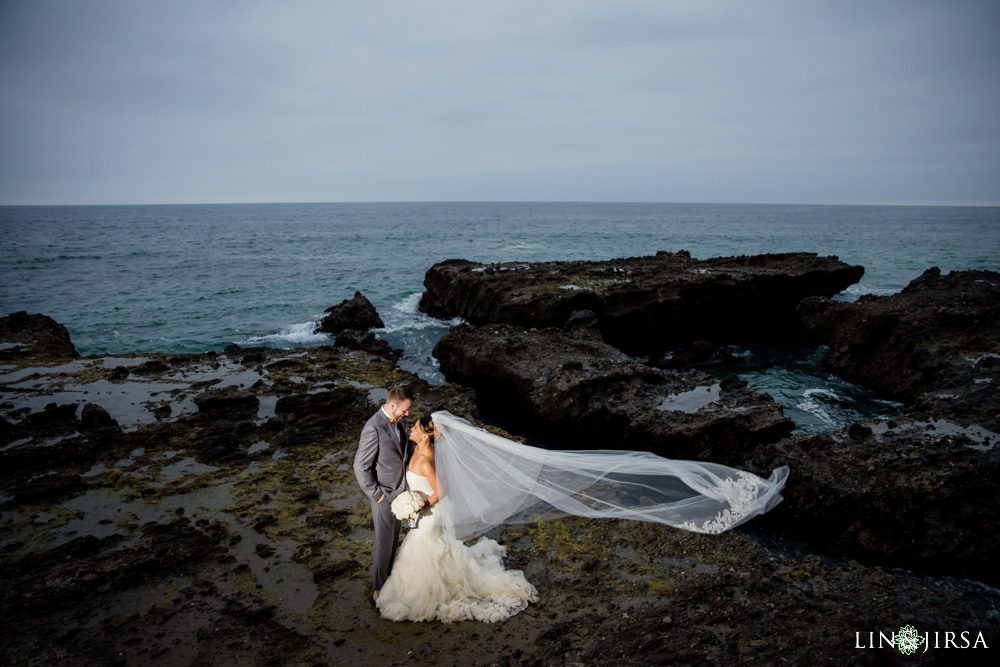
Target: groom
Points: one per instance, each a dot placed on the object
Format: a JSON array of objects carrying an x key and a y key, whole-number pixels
[{"x": 380, "y": 466}]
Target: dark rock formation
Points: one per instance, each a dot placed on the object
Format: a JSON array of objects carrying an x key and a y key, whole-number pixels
[
  {"x": 94, "y": 416},
  {"x": 229, "y": 401},
  {"x": 55, "y": 437},
  {"x": 247, "y": 355},
  {"x": 53, "y": 418},
  {"x": 597, "y": 397},
  {"x": 306, "y": 418},
  {"x": 221, "y": 440},
  {"x": 189, "y": 590},
  {"x": 323, "y": 404},
  {"x": 934, "y": 346},
  {"x": 254, "y": 355},
  {"x": 642, "y": 304},
  {"x": 917, "y": 495},
  {"x": 22, "y": 334},
  {"x": 151, "y": 367},
  {"x": 355, "y": 313},
  {"x": 354, "y": 339}
]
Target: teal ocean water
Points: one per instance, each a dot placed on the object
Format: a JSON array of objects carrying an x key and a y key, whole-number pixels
[{"x": 197, "y": 278}]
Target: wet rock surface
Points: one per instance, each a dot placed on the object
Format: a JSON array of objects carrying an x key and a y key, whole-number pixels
[
  {"x": 123, "y": 543},
  {"x": 354, "y": 313},
  {"x": 229, "y": 401},
  {"x": 906, "y": 493},
  {"x": 916, "y": 492},
  {"x": 353, "y": 339},
  {"x": 934, "y": 346},
  {"x": 24, "y": 335},
  {"x": 599, "y": 398},
  {"x": 642, "y": 304}
]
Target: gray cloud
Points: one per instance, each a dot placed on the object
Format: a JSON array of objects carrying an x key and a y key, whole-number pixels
[{"x": 122, "y": 102}]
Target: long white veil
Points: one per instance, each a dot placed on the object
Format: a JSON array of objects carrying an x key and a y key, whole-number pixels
[{"x": 486, "y": 480}]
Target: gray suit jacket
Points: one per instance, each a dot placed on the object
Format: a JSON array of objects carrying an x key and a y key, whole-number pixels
[{"x": 380, "y": 464}]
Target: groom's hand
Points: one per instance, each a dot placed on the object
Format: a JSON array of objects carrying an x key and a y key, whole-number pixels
[{"x": 379, "y": 501}]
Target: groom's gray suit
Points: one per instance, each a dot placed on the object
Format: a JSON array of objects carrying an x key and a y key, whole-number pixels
[{"x": 380, "y": 466}]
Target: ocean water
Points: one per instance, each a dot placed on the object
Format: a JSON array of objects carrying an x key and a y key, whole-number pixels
[{"x": 199, "y": 277}]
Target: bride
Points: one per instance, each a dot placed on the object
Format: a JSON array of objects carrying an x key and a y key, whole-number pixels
[
  {"x": 474, "y": 480},
  {"x": 436, "y": 577}
]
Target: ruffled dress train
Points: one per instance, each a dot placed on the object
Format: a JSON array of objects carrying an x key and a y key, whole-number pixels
[{"x": 437, "y": 578}]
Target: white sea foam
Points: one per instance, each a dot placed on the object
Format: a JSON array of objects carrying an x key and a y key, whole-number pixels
[
  {"x": 829, "y": 393},
  {"x": 853, "y": 292},
  {"x": 815, "y": 407},
  {"x": 295, "y": 335},
  {"x": 406, "y": 316}
]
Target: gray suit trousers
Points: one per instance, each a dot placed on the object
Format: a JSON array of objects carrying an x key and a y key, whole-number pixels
[{"x": 384, "y": 545}]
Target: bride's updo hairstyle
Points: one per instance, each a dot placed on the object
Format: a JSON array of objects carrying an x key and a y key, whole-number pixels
[{"x": 427, "y": 426}]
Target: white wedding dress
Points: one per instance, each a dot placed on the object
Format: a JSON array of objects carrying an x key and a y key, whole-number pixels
[
  {"x": 490, "y": 481},
  {"x": 436, "y": 577}
]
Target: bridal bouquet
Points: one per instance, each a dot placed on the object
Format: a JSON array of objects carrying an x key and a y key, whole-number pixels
[{"x": 407, "y": 504}]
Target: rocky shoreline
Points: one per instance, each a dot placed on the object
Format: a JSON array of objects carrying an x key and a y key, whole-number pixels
[
  {"x": 641, "y": 304},
  {"x": 200, "y": 509}
]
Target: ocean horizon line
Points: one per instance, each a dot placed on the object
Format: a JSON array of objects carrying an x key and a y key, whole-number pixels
[{"x": 885, "y": 204}]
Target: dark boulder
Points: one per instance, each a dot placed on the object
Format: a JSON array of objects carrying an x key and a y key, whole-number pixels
[
  {"x": 94, "y": 416},
  {"x": 920, "y": 495},
  {"x": 934, "y": 346},
  {"x": 24, "y": 335},
  {"x": 355, "y": 313},
  {"x": 594, "y": 396},
  {"x": 642, "y": 304}
]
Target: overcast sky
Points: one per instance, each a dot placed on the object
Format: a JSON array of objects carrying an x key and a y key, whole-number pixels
[{"x": 730, "y": 101}]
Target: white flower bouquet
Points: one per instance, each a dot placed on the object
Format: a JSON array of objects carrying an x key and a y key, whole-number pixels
[{"x": 407, "y": 504}]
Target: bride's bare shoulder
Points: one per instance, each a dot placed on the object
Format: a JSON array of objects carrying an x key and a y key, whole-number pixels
[
  {"x": 422, "y": 463},
  {"x": 427, "y": 461}
]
